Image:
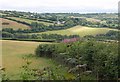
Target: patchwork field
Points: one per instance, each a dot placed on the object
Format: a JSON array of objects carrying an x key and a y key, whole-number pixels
[
  {"x": 30, "y": 21},
  {"x": 79, "y": 30},
  {"x": 11, "y": 24}
]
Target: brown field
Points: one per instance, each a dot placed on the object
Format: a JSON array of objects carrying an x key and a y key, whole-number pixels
[
  {"x": 30, "y": 21},
  {"x": 12, "y": 24}
]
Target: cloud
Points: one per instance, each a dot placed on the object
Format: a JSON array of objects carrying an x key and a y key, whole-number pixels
[{"x": 60, "y": 5}]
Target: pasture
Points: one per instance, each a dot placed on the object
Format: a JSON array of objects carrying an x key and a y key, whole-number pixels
[
  {"x": 93, "y": 20},
  {"x": 13, "y": 53},
  {"x": 12, "y": 58},
  {"x": 12, "y": 24},
  {"x": 79, "y": 30}
]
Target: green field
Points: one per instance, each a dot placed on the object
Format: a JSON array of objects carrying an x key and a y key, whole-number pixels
[
  {"x": 13, "y": 24},
  {"x": 30, "y": 21},
  {"x": 79, "y": 30},
  {"x": 13, "y": 53},
  {"x": 93, "y": 20}
]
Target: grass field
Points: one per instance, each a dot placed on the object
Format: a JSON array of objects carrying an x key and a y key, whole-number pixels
[
  {"x": 93, "y": 20},
  {"x": 13, "y": 24},
  {"x": 13, "y": 53},
  {"x": 79, "y": 30},
  {"x": 30, "y": 21}
]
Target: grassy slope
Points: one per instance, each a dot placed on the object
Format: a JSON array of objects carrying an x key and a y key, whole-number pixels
[
  {"x": 13, "y": 24},
  {"x": 30, "y": 21},
  {"x": 13, "y": 51},
  {"x": 79, "y": 30}
]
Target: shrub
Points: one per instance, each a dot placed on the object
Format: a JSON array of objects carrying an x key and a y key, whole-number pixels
[
  {"x": 45, "y": 50},
  {"x": 100, "y": 57},
  {"x": 7, "y": 35}
]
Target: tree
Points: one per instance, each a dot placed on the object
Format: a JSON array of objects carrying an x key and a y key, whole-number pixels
[
  {"x": 69, "y": 23},
  {"x": 7, "y": 35}
]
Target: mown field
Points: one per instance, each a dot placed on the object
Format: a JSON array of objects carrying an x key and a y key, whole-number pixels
[
  {"x": 12, "y": 24},
  {"x": 12, "y": 58},
  {"x": 79, "y": 30},
  {"x": 30, "y": 21}
]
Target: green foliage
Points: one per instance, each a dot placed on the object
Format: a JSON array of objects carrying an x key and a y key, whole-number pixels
[
  {"x": 34, "y": 37},
  {"x": 100, "y": 57},
  {"x": 50, "y": 73},
  {"x": 69, "y": 23},
  {"x": 7, "y": 35},
  {"x": 111, "y": 35},
  {"x": 105, "y": 61},
  {"x": 45, "y": 50},
  {"x": 57, "y": 72},
  {"x": 26, "y": 72},
  {"x": 3, "y": 75}
]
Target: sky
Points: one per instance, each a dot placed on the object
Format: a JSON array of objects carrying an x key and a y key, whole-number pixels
[{"x": 61, "y": 6}]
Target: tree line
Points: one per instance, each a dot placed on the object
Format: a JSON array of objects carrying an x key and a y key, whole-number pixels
[
  {"x": 17, "y": 34},
  {"x": 37, "y": 37}
]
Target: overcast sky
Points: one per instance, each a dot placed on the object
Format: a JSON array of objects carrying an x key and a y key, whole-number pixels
[{"x": 42, "y": 6}]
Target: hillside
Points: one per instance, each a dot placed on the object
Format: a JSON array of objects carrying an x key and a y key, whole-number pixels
[
  {"x": 12, "y": 58},
  {"x": 79, "y": 30},
  {"x": 12, "y": 24},
  {"x": 30, "y": 21},
  {"x": 13, "y": 51}
]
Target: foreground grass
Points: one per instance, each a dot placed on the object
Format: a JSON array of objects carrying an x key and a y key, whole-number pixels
[
  {"x": 13, "y": 24},
  {"x": 12, "y": 58},
  {"x": 79, "y": 30},
  {"x": 13, "y": 51}
]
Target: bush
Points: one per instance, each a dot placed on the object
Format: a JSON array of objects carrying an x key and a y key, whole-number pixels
[
  {"x": 45, "y": 50},
  {"x": 7, "y": 35},
  {"x": 100, "y": 57}
]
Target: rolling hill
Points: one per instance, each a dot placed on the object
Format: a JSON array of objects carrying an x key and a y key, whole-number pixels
[
  {"x": 79, "y": 30},
  {"x": 12, "y": 24}
]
